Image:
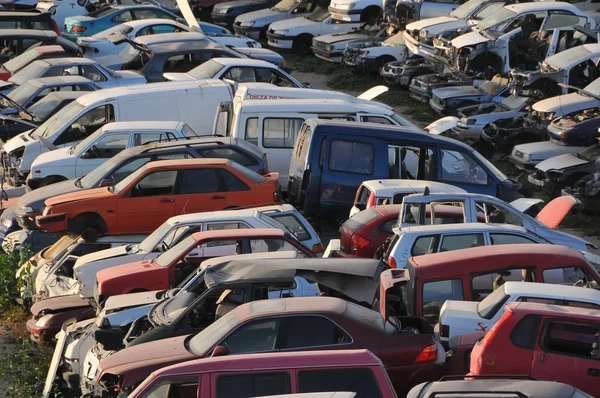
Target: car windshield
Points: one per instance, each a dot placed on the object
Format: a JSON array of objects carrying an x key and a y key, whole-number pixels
[
  {"x": 121, "y": 28},
  {"x": 285, "y": 5},
  {"x": 129, "y": 53},
  {"x": 19, "y": 62},
  {"x": 62, "y": 117},
  {"x": 157, "y": 237},
  {"x": 593, "y": 87},
  {"x": 257, "y": 178},
  {"x": 204, "y": 341},
  {"x": 368, "y": 318},
  {"x": 396, "y": 40},
  {"x": 44, "y": 107},
  {"x": 20, "y": 94},
  {"x": 318, "y": 15},
  {"x": 121, "y": 185},
  {"x": 490, "y": 305},
  {"x": 188, "y": 132},
  {"x": 31, "y": 71},
  {"x": 466, "y": 9},
  {"x": 514, "y": 102},
  {"x": 176, "y": 251},
  {"x": 497, "y": 18},
  {"x": 591, "y": 153},
  {"x": 79, "y": 148},
  {"x": 102, "y": 12},
  {"x": 94, "y": 177},
  {"x": 490, "y": 87},
  {"x": 206, "y": 70}
]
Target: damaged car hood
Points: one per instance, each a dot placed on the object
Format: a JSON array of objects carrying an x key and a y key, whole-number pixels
[
  {"x": 560, "y": 162},
  {"x": 339, "y": 37},
  {"x": 456, "y": 91},
  {"x": 565, "y": 104},
  {"x": 433, "y": 22},
  {"x": 469, "y": 39}
]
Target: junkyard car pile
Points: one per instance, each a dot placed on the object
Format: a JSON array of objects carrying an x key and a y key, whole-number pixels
[{"x": 181, "y": 186}]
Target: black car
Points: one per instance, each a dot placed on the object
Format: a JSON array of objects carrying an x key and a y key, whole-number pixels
[
  {"x": 224, "y": 14},
  {"x": 17, "y": 41},
  {"x": 34, "y": 19},
  {"x": 120, "y": 166}
]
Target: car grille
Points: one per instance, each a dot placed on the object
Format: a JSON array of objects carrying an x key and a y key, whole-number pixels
[{"x": 319, "y": 45}]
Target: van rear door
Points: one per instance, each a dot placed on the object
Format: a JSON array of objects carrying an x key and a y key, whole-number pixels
[{"x": 300, "y": 167}]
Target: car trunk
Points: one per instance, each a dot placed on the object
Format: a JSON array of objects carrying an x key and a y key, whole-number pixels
[{"x": 350, "y": 240}]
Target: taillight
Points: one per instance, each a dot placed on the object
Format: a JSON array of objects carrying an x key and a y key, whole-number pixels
[
  {"x": 318, "y": 248},
  {"x": 55, "y": 26},
  {"x": 65, "y": 27},
  {"x": 487, "y": 340},
  {"x": 357, "y": 193},
  {"x": 429, "y": 353},
  {"x": 391, "y": 262},
  {"x": 371, "y": 201},
  {"x": 78, "y": 29},
  {"x": 357, "y": 242}
]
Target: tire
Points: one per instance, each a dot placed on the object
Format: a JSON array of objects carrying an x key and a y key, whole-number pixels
[
  {"x": 370, "y": 15},
  {"x": 90, "y": 226},
  {"x": 51, "y": 180},
  {"x": 301, "y": 44}
]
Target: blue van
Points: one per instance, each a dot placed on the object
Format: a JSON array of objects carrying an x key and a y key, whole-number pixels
[{"x": 332, "y": 158}]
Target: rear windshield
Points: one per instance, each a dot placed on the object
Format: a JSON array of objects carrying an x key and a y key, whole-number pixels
[
  {"x": 360, "y": 219},
  {"x": 490, "y": 305}
]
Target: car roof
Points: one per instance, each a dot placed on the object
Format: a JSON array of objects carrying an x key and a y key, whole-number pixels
[
  {"x": 171, "y": 37},
  {"x": 462, "y": 227},
  {"x": 273, "y": 360},
  {"x": 296, "y": 305},
  {"x": 520, "y": 307},
  {"x": 185, "y": 46},
  {"x": 118, "y": 238},
  {"x": 32, "y": 13},
  {"x": 142, "y": 125},
  {"x": 49, "y": 49},
  {"x": 573, "y": 55},
  {"x": 557, "y": 291},
  {"x": 149, "y": 148},
  {"x": 415, "y": 185},
  {"x": 266, "y": 269},
  {"x": 486, "y": 258},
  {"x": 523, "y": 388},
  {"x": 244, "y": 62},
  {"x": 225, "y": 214},
  {"x": 543, "y": 6},
  {"x": 313, "y": 105},
  {"x": 27, "y": 33},
  {"x": 64, "y": 95},
  {"x": 64, "y": 61},
  {"x": 453, "y": 195},
  {"x": 58, "y": 80},
  {"x": 186, "y": 163},
  {"x": 150, "y": 21}
]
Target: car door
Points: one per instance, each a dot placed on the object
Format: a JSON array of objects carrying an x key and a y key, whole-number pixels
[
  {"x": 99, "y": 152},
  {"x": 199, "y": 190},
  {"x": 563, "y": 353},
  {"x": 147, "y": 202},
  {"x": 457, "y": 241}
]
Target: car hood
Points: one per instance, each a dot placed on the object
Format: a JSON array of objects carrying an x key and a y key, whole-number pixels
[
  {"x": 457, "y": 91},
  {"x": 339, "y": 37},
  {"x": 132, "y": 300},
  {"x": 546, "y": 149},
  {"x": 155, "y": 354},
  {"x": 554, "y": 212},
  {"x": 442, "y": 125},
  {"x": 294, "y": 23},
  {"x": 17, "y": 142},
  {"x": 126, "y": 270},
  {"x": 59, "y": 303},
  {"x": 102, "y": 255},
  {"x": 266, "y": 14},
  {"x": 429, "y": 22},
  {"x": 455, "y": 312},
  {"x": 565, "y": 103},
  {"x": 560, "y": 162},
  {"x": 62, "y": 156},
  {"x": 36, "y": 198},
  {"x": 468, "y": 39},
  {"x": 86, "y": 194}
]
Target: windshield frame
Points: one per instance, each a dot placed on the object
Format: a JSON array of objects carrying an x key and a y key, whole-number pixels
[
  {"x": 289, "y": 4},
  {"x": 59, "y": 119},
  {"x": 176, "y": 252},
  {"x": 467, "y": 9},
  {"x": 494, "y": 21},
  {"x": 489, "y": 306}
]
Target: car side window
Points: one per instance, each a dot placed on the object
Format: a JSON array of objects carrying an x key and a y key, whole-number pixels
[
  {"x": 293, "y": 223},
  {"x": 252, "y": 130},
  {"x": 388, "y": 225},
  {"x": 159, "y": 29},
  {"x": 352, "y": 157},
  {"x": 564, "y": 276},
  {"x": 109, "y": 145},
  {"x": 488, "y": 10},
  {"x": 92, "y": 73},
  {"x": 80, "y": 87},
  {"x": 509, "y": 239},
  {"x": 147, "y": 14},
  {"x": 258, "y": 384},
  {"x": 182, "y": 63},
  {"x": 460, "y": 167},
  {"x": 525, "y": 332},
  {"x": 242, "y": 74},
  {"x": 461, "y": 241},
  {"x": 125, "y": 16},
  {"x": 362, "y": 381},
  {"x": 232, "y": 183},
  {"x": 146, "y": 138},
  {"x": 265, "y": 75},
  {"x": 499, "y": 214},
  {"x": 280, "y": 132},
  {"x": 211, "y": 182},
  {"x": 405, "y": 162},
  {"x": 375, "y": 119},
  {"x": 87, "y": 124},
  {"x": 324, "y": 333},
  {"x": 157, "y": 183},
  {"x": 228, "y": 153},
  {"x": 425, "y": 245},
  {"x": 254, "y": 336},
  {"x": 174, "y": 387},
  {"x": 435, "y": 295},
  {"x": 559, "y": 19},
  {"x": 570, "y": 339}
]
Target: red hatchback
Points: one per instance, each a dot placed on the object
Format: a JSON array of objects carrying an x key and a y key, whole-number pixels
[{"x": 361, "y": 235}]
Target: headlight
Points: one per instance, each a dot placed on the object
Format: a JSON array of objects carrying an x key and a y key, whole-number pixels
[
  {"x": 46, "y": 211},
  {"x": 26, "y": 209},
  {"x": 44, "y": 320},
  {"x": 281, "y": 32},
  {"x": 7, "y": 223},
  {"x": 471, "y": 121},
  {"x": 328, "y": 47},
  {"x": 222, "y": 11},
  {"x": 423, "y": 33},
  {"x": 248, "y": 24}
]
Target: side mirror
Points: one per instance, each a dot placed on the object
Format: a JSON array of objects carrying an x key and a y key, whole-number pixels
[
  {"x": 106, "y": 182},
  {"x": 220, "y": 351},
  {"x": 86, "y": 155}
]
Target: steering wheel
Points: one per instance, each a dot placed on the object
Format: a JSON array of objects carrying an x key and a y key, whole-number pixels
[
  {"x": 583, "y": 283},
  {"x": 137, "y": 191},
  {"x": 94, "y": 151}
]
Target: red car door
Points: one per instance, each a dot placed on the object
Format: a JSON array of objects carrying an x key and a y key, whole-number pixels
[
  {"x": 199, "y": 190},
  {"x": 564, "y": 354},
  {"x": 147, "y": 203}
]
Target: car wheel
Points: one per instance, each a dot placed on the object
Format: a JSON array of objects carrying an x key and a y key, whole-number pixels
[{"x": 90, "y": 226}]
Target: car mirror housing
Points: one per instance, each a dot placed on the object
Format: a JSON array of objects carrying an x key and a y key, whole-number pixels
[{"x": 220, "y": 351}]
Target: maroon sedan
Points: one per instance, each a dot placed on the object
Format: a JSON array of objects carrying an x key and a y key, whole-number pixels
[{"x": 405, "y": 345}]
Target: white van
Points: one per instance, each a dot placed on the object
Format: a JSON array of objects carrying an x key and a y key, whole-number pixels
[
  {"x": 67, "y": 163},
  {"x": 274, "y": 125}
]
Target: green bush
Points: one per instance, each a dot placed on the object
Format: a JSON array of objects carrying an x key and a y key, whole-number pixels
[{"x": 9, "y": 264}]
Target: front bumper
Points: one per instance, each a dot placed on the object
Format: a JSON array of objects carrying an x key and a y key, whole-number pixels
[
  {"x": 52, "y": 222},
  {"x": 280, "y": 41},
  {"x": 345, "y": 15},
  {"x": 420, "y": 91},
  {"x": 335, "y": 56},
  {"x": 440, "y": 109},
  {"x": 522, "y": 164},
  {"x": 252, "y": 32},
  {"x": 366, "y": 64}
]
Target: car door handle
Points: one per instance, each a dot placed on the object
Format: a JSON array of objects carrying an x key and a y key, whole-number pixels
[
  {"x": 166, "y": 200},
  {"x": 218, "y": 197},
  {"x": 593, "y": 372}
]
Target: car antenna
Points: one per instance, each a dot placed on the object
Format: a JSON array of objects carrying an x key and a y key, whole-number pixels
[{"x": 426, "y": 191}]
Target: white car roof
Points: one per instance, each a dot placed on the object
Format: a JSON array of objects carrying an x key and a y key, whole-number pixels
[
  {"x": 244, "y": 62},
  {"x": 57, "y": 80},
  {"x": 573, "y": 56},
  {"x": 143, "y": 125},
  {"x": 171, "y": 38},
  {"x": 65, "y": 61},
  {"x": 381, "y": 186},
  {"x": 153, "y": 21},
  {"x": 557, "y": 291},
  {"x": 462, "y": 228},
  {"x": 225, "y": 214},
  {"x": 314, "y": 105},
  {"x": 544, "y": 6},
  {"x": 420, "y": 198}
]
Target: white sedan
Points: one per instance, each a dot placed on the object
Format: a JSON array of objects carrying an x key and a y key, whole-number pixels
[
  {"x": 100, "y": 45},
  {"x": 240, "y": 70}
]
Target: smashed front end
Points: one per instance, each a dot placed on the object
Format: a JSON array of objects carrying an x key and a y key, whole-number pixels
[
  {"x": 421, "y": 87},
  {"x": 11, "y": 162},
  {"x": 587, "y": 191},
  {"x": 402, "y": 73},
  {"x": 353, "y": 50}
]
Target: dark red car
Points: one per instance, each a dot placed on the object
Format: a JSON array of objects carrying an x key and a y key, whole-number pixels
[
  {"x": 291, "y": 324},
  {"x": 544, "y": 341}
]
